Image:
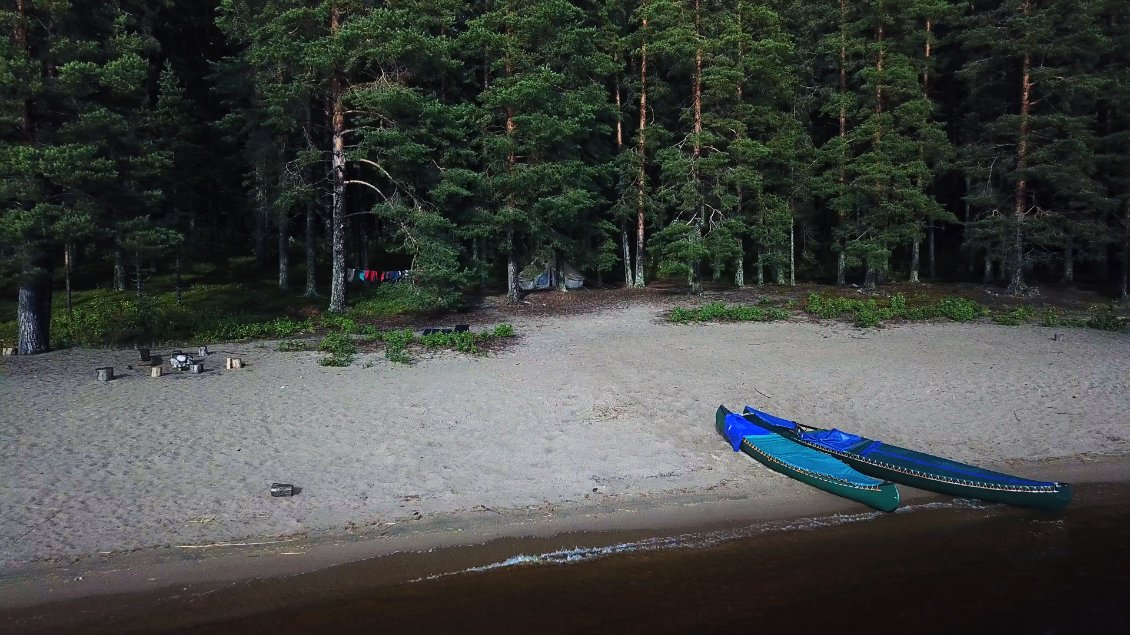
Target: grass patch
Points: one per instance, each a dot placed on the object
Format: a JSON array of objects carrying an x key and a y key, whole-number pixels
[
  {"x": 341, "y": 349},
  {"x": 871, "y": 313},
  {"x": 719, "y": 312}
]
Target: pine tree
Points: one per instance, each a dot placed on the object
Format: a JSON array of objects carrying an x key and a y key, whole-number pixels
[
  {"x": 541, "y": 112},
  {"x": 1020, "y": 156},
  {"x": 72, "y": 152}
]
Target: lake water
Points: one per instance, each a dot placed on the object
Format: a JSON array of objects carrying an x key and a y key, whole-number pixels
[{"x": 944, "y": 566}]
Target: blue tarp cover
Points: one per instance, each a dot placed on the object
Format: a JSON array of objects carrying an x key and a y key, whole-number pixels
[
  {"x": 834, "y": 439},
  {"x": 738, "y": 428},
  {"x": 777, "y": 421}
]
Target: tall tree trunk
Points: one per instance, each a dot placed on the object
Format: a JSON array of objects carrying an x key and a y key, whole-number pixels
[
  {"x": 178, "y": 282},
  {"x": 760, "y": 266},
  {"x": 987, "y": 271},
  {"x": 1016, "y": 285},
  {"x": 68, "y": 264},
  {"x": 261, "y": 254},
  {"x": 619, "y": 151},
  {"x": 137, "y": 280},
  {"x": 311, "y": 253},
  {"x": 119, "y": 269},
  {"x": 968, "y": 220},
  {"x": 739, "y": 268},
  {"x": 914, "y": 259},
  {"x": 792, "y": 252},
  {"x": 841, "y": 213},
  {"x": 284, "y": 255},
  {"x": 1125, "y": 294},
  {"x": 627, "y": 258},
  {"x": 641, "y": 180},
  {"x": 696, "y": 148},
  {"x": 337, "y": 124},
  {"x": 930, "y": 254},
  {"x": 34, "y": 310},
  {"x": 512, "y": 290},
  {"x": 1068, "y": 264}
]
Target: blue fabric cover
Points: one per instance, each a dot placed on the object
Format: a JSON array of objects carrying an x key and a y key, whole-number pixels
[
  {"x": 738, "y": 428},
  {"x": 777, "y": 421},
  {"x": 834, "y": 439}
]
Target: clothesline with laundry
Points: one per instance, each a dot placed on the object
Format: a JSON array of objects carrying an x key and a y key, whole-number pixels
[{"x": 372, "y": 275}]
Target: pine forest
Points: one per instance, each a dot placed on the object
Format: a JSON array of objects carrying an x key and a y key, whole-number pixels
[{"x": 155, "y": 149}]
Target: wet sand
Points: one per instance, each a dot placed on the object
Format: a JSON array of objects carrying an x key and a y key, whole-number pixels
[{"x": 935, "y": 566}]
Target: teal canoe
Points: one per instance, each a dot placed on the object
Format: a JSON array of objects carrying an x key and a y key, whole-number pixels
[
  {"x": 918, "y": 469},
  {"x": 804, "y": 464}
]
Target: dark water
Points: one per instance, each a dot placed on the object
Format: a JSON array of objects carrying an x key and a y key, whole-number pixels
[{"x": 929, "y": 568}]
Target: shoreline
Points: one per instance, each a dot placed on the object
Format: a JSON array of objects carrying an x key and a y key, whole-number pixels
[
  {"x": 263, "y": 596},
  {"x": 451, "y": 543}
]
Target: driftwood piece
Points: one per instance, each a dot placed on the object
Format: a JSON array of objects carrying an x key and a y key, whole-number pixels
[
  {"x": 155, "y": 371},
  {"x": 234, "y": 363},
  {"x": 106, "y": 373}
]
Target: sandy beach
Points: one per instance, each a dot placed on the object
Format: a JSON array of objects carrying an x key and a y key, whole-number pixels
[{"x": 585, "y": 421}]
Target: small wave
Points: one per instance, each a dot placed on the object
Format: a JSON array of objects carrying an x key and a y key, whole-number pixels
[{"x": 683, "y": 541}]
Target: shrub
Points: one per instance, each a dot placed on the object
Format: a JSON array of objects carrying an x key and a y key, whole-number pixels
[
  {"x": 959, "y": 309},
  {"x": 1105, "y": 319},
  {"x": 1015, "y": 317}
]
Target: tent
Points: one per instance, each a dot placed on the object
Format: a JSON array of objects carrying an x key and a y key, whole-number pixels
[{"x": 543, "y": 275}]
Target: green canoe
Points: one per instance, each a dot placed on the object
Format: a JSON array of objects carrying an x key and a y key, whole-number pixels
[
  {"x": 804, "y": 464},
  {"x": 918, "y": 469}
]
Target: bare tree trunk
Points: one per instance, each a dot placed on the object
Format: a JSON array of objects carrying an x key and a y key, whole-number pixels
[
  {"x": 1125, "y": 252},
  {"x": 68, "y": 265},
  {"x": 696, "y": 148},
  {"x": 968, "y": 219},
  {"x": 119, "y": 269},
  {"x": 137, "y": 273},
  {"x": 619, "y": 150},
  {"x": 179, "y": 283},
  {"x": 760, "y": 266},
  {"x": 914, "y": 259},
  {"x": 512, "y": 290},
  {"x": 739, "y": 270},
  {"x": 841, "y": 260},
  {"x": 641, "y": 181},
  {"x": 627, "y": 258},
  {"x": 311, "y": 253},
  {"x": 987, "y": 271},
  {"x": 792, "y": 252},
  {"x": 1017, "y": 285},
  {"x": 34, "y": 310},
  {"x": 337, "y": 123},
  {"x": 1069, "y": 264},
  {"x": 930, "y": 254},
  {"x": 261, "y": 235},
  {"x": 284, "y": 256}
]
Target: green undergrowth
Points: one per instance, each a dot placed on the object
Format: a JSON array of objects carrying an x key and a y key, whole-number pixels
[
  {"x": 872, "y": 312},
  {"x": 719, "y": 312},
  {"x": 216, "y": 313},
  {"x": 342, "y": 345}
]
